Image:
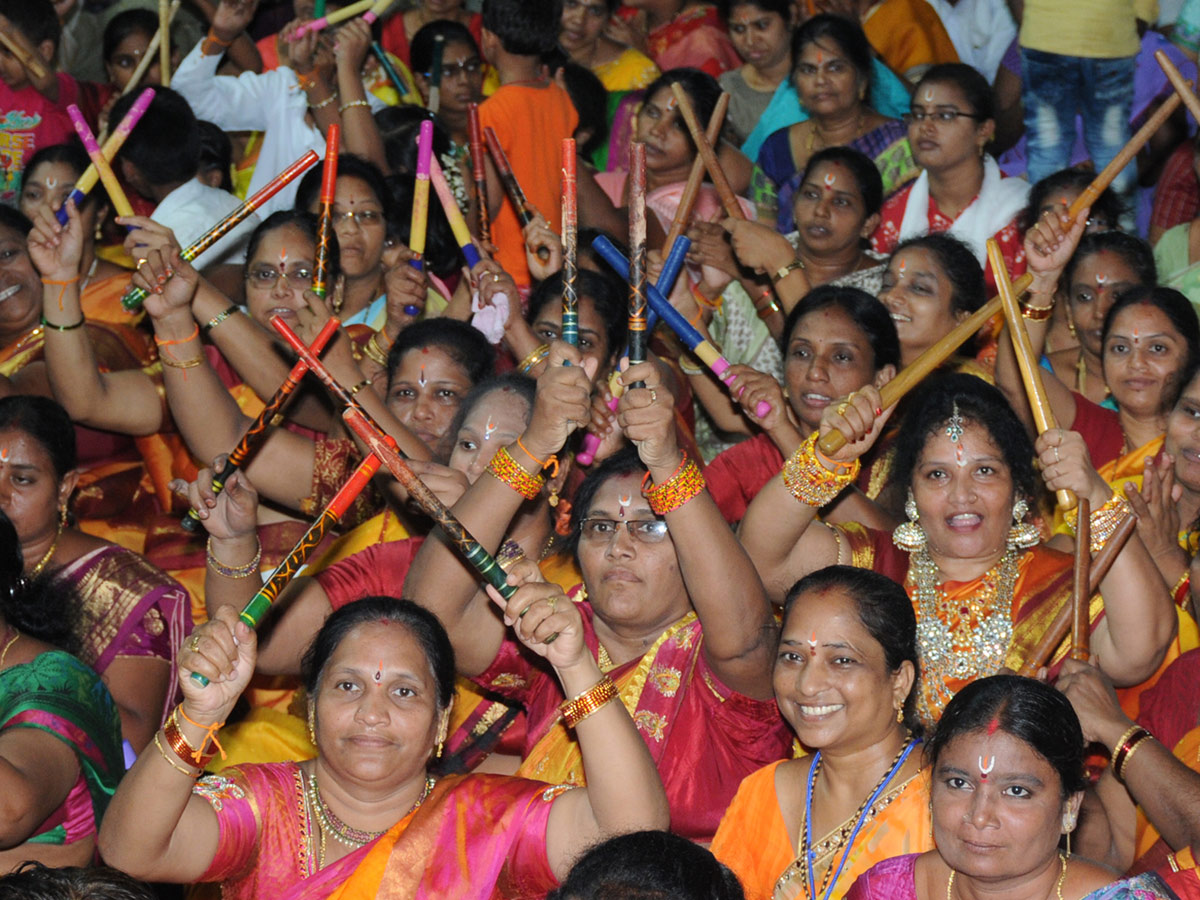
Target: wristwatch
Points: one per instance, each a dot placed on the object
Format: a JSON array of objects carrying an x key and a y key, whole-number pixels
[{"x": 787, "y": 270}]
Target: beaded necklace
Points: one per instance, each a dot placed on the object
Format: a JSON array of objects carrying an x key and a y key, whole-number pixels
[
  {"x": 964, "y": 651},
  {"x": 329, "y": 823}
]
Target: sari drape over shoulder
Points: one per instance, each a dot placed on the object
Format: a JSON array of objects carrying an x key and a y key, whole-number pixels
[
  {"x": 57, "y": 694},
  {"x": 753, "y": 838}
]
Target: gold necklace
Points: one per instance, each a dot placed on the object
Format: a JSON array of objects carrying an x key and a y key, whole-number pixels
[
  {"x": 1058, "y": 885},
  {"x": 41, "y": 563},
  {"x": 329, "y": 823},
  {"x": 815, "y": 132},
  {"x": 12, "y": 640}
]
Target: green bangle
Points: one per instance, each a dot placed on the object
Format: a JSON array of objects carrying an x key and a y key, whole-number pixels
[{"x": 78, "y": 324}]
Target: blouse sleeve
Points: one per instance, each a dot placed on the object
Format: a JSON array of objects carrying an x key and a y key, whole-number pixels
[{"x": 238, "y": 821}]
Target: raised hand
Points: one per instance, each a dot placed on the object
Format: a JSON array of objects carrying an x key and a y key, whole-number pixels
[
  {"x": 1095, "y": 701},
  {"x": 647, "y": 416},
  {"x": 563, "y": 402},
  {"x": 230, "y": 515},
  {"x": 542, "y": 617},
  {"x": 232, "y": 17},
  {"x": 55, "y": 250},
  {"x": 860, "y": 418},
  {"x": 1067, "y": 465},
  {"x": 1051, "y": 241},
  {"x": 224, "y": 651}
]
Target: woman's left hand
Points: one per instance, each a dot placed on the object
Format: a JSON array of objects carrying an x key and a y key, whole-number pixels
[
  {"x": 55, "y": 250},
  {"x": 541, "y": 616},
  {"x": 1067, "y": 465},
  {"x": 540, "y": 236},
  {"x": 1157, "y": 510},
  {"x": 647, "y": 416},
  {"x": 711, "y": 247},
  {"x": 1095, "y": 702},
  {"x": 751, "y": 387},
  {"x": 759, "y": 247},
  {"x": 407, "y": 290},
  {"x": 351, "y": 44}
]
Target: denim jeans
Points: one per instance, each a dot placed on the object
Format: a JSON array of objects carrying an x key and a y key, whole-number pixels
[{"x": 1055, "y": 89}]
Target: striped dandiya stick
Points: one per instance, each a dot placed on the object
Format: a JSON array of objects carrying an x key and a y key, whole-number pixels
[
  {"x": 134, "y": 296},
  {"x": 478, "y": 171},
  {"x": 637, "y": 255},
  {"x": 257, "y": 430},
  {"x": 341, "y": 15},
  {"x": 90, "y": 176},
  {"x": 320, "y": 283},
  {"x": 570, "y": 227},
  {"x": 420, "y": 206},
  {"x": 435, "y": 74},
  {"x": 458, "y": 225},
  {"x": 115, "y": 193}
]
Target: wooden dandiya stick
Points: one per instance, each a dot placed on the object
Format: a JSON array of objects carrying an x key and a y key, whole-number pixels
[
  {"x": 1031, "y": 371},
  {"x": 90, "y": 176},
  {"x": 420, "y": 205},
  {"x": 691, "y": 190},
  {"x": 149, "y": 56},
  {"x": 340, "y": 15},
  {"x": 478, "y": 171},
  {"x": 25, "y": 55},
  {"x": 458, "y": 225},
  {"x": 1182, "y": 87},
  {"x": 570, "y": 229},
  {"x": 134, "y": 296},
  {"x": 637, "y": 256},
  {"x": 1058, "y": 629},
  {"x": 115, "y": 193},
  {"x": 1081, "y": 633},
  {"x": 320, "y": 284},
  {"x": 435, "y": 74},
  {"x": 511, "y": 185},
  {"x": 164, "y": 45},
  {"x": 257, "y": 430},
  {"x": 707, "y": 154}
]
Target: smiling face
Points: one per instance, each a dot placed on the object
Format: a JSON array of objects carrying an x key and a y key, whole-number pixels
[
  {"x": 831, "y": 677},
  {"x": 279, "y": 274},
  {"x": 826, "y": 79},
  {"x": 668, "y": 147},
  {"x": 425, "y": 391},
  {"x": 498, "y": 419},
  {"x": 1095, "y": 284},
  {"x": 1183, "y": 437},
  {"x": 939, "y": 146},
  {"x": 20, "y": 284},
  {"x": 1144, "y": 358},
  {"x": 1002, "y": 826},
  {"x": 828, "y": 357},
  {"x": 761, "y": 38},
  {"x": 918, "y": 293},
  {"x": 829, "y": 210}
]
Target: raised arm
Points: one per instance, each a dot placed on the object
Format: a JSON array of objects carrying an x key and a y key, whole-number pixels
[{"x": 359, "y": 131}]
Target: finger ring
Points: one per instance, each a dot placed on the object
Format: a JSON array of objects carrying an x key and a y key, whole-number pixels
[
  {"x": 194, "y": 643},
  {"x": 653, "y": 395},
  {"x": 552, "y": 602},
  {"x": 1056, "y": 454},
  {"x": 495, "y": 277},
  {"x": 842, "y": 407}
]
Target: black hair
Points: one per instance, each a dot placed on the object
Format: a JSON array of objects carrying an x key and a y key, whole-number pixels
[
  {"x": 862, "y": 309},
  {"x": 848, "y": 36},
  {"x": 780, "y": 7},
  {"x": 936, "y": 400},
  {"x": 303, "y": 220},
  {"x": 521, "y": 385},
  {"x": 216, "y": 152},
  {"x": 587, "y": 253},
  {"x": 884, "y": 609},
  {"x": 1182, "y": 316},
  {"x": 701, "y": 88},
  {"x": 1135, "y": 252},
  {"x": 590, "y": 99},
  {"x": 1107, "y": 206},
  {"x": 968, "y": 291},
  {"x": 11, "y": 217},
  {"x": 35, "y": 881},
  {"x": 441, "y": 250},
  {"x": 524, "y": 27},
  {"x": 866, "y": 175},
  {"x": 47, "y": 423},
  {"x": 649, "y": 865},
  {"x": 608, "y": 299},
  {"x": 624, "y": 462},
  {"x": 463, "y": 343},
  {"x": 349, "y": 166},
  {"x": 1025, "y": 708},
  {"x": 164, "y": 146},
  {"x": 420, "y": 48},
  {"x": 420, "y": 622},
  {"x": 69, "y": 153},
  {"x": 35, "y": 19},
  {"x": 975, "y": 88},
  {"x": 45, "y": 607},
  {"x": 123, "y": 24},
  {"x": 400, "y": 127}
]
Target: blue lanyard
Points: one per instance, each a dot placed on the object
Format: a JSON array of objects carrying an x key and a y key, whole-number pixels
[{"x": 810, "y": 854}]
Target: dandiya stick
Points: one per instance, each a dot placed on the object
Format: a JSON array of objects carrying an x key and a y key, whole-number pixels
[
  {"x": 707, "y": 154},
  {"x": 458, "y": 225},
  {"x": 257, "y": 430},
  {"x": 340, "y": 15},
  {"x": 376, "y": 11},
  {"x": 319, "y": 9},
  {"x": 151, "y": 51},
  {"x": 1031, "y": 371},
  {"x": 1058, "y": 630},
  {"x": 691, "y": 190},
  {"x": 570, "y": 226},
  {"x": 1181, "y": 85},
  {"x": 119, "y": 201},
  {"x": 435, "y": 74},
  {"x": 134, "y": 296},
  {"x": 164, "y": 44},
  {"x": 478, "y": 171},
  {"x": 386, "y": 64},
  {"x": 90, "y": 176},
  {"x": 520, "y": 204},
  {"x": 637, "y": 255},
  {"x": 24, "y": 55},
  {"x": 1081, "y": 633},
  {"x": 320, "y": 283},
  {"x": 420, "y": 205}
]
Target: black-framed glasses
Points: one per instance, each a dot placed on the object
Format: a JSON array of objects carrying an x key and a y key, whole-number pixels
[
  {"x": 644, "y": 531},
  {"x": 943, "y": 116}
]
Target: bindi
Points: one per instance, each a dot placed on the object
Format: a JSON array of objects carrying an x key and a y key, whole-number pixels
[
  {"x": 812, "y": 643},
  {"x": 623, "y": 503},
  {"x": 830, "y": 180},
  {"x": 51, "y": 183},
  {"x": 903, "y": 265},
  {"x": 820, "y": 57},
  {"x": 960, "y": 456},
  {"x": 3, "y": 454},
  {"x": 985, "y": 768},
  {"x": 379, "y": 673},
  {"x": 1101, "y": 280},
  {"x": 489, "y": 429},
  {"x": 928, "y": 95},
  {"x": 421, "y": 379}
]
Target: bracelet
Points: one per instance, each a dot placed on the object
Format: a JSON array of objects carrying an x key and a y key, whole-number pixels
[
  {"x": 784, "y": 271},
  {"x": 508, "y": 471},
  {"x": 219, "y": 318},
  {"x": 1036, "y": 313},
  {"x": 1137, "y": 741},
  {"x": 1131, "y": 738},
  {"x": 195, "y": 334},
  {"x": 550, "y": 462},
  {"x": 701, "y": 300},
  {"x": 684, "y": 484},
  {"x": 1183, "y": 579},
  {"x": 688, "y": 369},
  {"x": 352, "y": 104},
  {"x": 70, "y": 327},
  {"x": 180, "y": 745},
  {"x": 210, "y": 734},
  {"x": 509, "y": 554},
  {"x": 242, "y": 571},
  {"x": 182, "y": 363},
  {"x": 540, "y": 353},
  {"x": 62, "y": 288},
  {"x": 582, "y": 705},
  {"x": 332, "y": 98},
  {"x": 1104, "y": 521},
  {"x": 374, "y": 352},
  {"x": 809, "y": 481},
  {"x": 216, "y": 40},
  {"x": 767, "y": 311},
  {"x": 174, "y": 765},
  {"x": 307, "y": 82},
  {"x": 1121, "y": 742},
  {"x": 366, "y": 382}
]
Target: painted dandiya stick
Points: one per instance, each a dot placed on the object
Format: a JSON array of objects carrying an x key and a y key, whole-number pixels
[
  {"x": 151, "y": 52},
  {"x": 637, "y": 256},
  {"x": 115, "y": 193},
  {"x": 90, "y": 176},
  {"x": 1081, "y": 633},
  {"x": 458, "y": 225},
  {"x": 164, "y": 44},
  {"x": 1182, "y": 87},
  {"x": 478, "y": 171},
  {"x": 25, "y": 56},
  {"x": 1031, "y": 371},
  {"x": 372, "y": 14},
  {"x": 134, "y": 296},
  {"x": 691, "y": 190},
  {"x": 1060, "y": 627},
  {"x": 320, "y": 284},
  {"x": 707, "y": 154},
  {"x": 257, "y": 430},
  {"x": 511, "y": 185},
  {"x": 339, "y": 15},
  {"x": 570, "y": 230},
  {"x": 435, "y": 74},
  {"x": 704, "y": 349},
  {"x": 420, "y": 204}
]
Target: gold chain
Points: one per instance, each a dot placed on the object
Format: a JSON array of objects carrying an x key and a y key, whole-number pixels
[
  {"x": 4, "y": 653},
  {"x": 1058, "y": 885},
  {"x": 41, "y": 563}
]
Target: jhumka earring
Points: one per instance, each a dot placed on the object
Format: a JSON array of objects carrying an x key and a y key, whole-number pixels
[
  {"x": 1023, "y": 534},
  {"x": 910, "y": 535}
]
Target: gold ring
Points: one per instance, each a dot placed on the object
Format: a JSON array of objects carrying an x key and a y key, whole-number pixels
[
  {"x": 194, "y": 643},
  {"x": 495, "y": 277},
  {"x": 653, "y": 395},
  {"x": 552, "y": 602},
  {"x": 842, "y": 407},
  {"x": 1056, "y": 453}
]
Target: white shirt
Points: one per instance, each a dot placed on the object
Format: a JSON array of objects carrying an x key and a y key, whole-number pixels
[{"x": 193, "y": 208}]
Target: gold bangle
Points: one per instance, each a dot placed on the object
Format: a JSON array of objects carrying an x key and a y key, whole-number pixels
[
  {"x": 1036, "y": 313},
  {"x": 352, "y": 104},
  {"x": 242, "y": 571},
  {"x": 508, "y": 471},
  {"x": 1121, "y": 743},
  {"x": 526, "y": 365},
  {"x": 809, "y": 481},
  {"x": 1104, "y": 521},
  {"x": 219, "y": 318},
  {"x": 182, "y": 363},
  {"x": 170, "y": 762},
  {"x": 582, "y": 705},
  {"x": 684, "y": 484},
  {"x": 366, "y": 382},
  {"x": 1133, "y": 748},
  {"x": 687, "y": 369},
  {"x": 374, "y": 352}
]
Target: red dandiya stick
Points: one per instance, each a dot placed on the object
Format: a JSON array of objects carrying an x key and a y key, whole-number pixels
[
  {"x": 420, "y": 204},
  {"x": 257, "y": 430},
  {"x": 637, "y": 254},
  {"x": 320, "y": 284},
  {"x": 1081, "y": 632},
  {"x": 134, "y": 296},
  {"x": 715, "y": 172},
  {"x": 478, "y": 171},
  {"x": 570, "y": 225}
]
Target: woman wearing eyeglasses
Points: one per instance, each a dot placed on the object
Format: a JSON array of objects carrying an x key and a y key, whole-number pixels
[{"x": 962, "y": 190}]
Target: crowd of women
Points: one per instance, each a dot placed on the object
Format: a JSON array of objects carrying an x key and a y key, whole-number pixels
[{"x": 778, "y": 634}]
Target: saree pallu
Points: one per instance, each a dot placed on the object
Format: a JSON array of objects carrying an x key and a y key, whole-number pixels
[
  {"x": 753, "y": 838},
  {"x": 57, "y": 694},
  {"x": 697, "y": 39}
]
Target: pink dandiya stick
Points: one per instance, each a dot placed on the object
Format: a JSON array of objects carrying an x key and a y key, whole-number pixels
[
  {"x": 376, "y": 11},
  {"x": 320, "y": 284},
  {"x": 119, "y": 201},
  {"x": 420, "y": 206},
  {"x": 340, "y": 15},
  {"x": 458, "y": 225}
]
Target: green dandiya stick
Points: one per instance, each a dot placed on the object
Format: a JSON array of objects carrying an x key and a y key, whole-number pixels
[
  {"x": 435, "y": 74},
  {"x": 389, "y": 69}
]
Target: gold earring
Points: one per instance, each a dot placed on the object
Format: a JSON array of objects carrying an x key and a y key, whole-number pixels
[
  {"x": 440, "y": 747},
  {"x": 62, "y": 517},
  {"x": 900, "y": 714},
  {"x": 312, "y": 731}
]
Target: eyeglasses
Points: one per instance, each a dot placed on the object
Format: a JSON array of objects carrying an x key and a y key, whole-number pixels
[
  {"x": 461, "y": 68},
  {"x": 644, "y": 531},
  {"x": 267, "y": 278},
  {"x": 595, "y": 10},
  {"x": 944, "y": 116},
  {"x": 367, "y": 218}
]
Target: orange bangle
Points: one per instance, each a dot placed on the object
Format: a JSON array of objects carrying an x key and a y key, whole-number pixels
[
  {"x": 179, "y": 745},
  {"x": 210, "y": 734},
  {"x": 551, "y": 461},
  {"x": 195, "y": 334}
]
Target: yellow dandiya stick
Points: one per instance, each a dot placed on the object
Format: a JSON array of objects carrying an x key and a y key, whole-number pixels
[
  {"x": 458, "y": 225},
  {"x": 119, "y": 201},
  {"x": 25, "y": 56},
  {"x": 420, "y": 204},
  {"x": 1031, "y": 372},
  {"x": 340, "y": 15},
  {"x": 715, "y": 172},
  {"x": 151, "y": 49},
  {"x": 164, "y": 44},
  {"x": 691, "y": 190},
  {"x": 1081, "y": 632}
]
